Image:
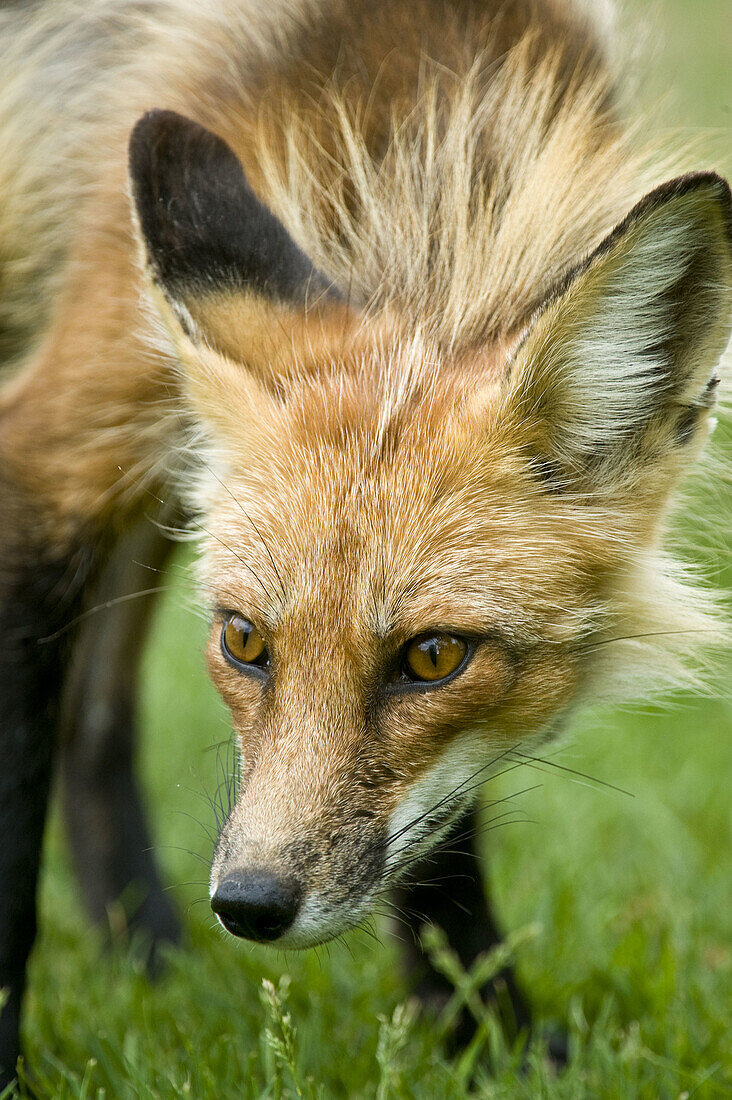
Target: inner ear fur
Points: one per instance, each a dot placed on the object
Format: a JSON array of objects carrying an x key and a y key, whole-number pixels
[
  {"x": 221, "y": 258},
  {"x": 620, "y": 363}
]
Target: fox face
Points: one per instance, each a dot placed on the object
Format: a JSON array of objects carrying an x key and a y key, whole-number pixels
[
  {"x": 417, "y": 558},
  {"x": 393, "y": 627}
]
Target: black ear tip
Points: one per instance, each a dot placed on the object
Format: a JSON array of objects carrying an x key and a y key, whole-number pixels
[
  {"x": 161, "y": 135},
  {"x": 724, "y": 194},
  {"x": 715, "y": 185},
  {"x": 146, "y": 128},
  {"x": 693, "y": 182},
  {"x": 170, "y": 158},
  {"x": 720, "y": 188},
  {"x": 162, "y": 121},
  {"x": 160, "y": 132},
  {"x": 201, "y": 222}
]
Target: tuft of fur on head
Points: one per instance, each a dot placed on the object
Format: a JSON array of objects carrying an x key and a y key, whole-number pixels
[{"x": 485, "y": 196}]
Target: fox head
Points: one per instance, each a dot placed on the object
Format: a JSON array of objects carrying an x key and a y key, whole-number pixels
[{"x": 417, "y": 557}]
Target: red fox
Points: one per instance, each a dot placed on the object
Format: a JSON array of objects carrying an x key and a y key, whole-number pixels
[{"x": 391, "y": 303}]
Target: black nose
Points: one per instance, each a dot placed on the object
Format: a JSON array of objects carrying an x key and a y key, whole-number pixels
[{"x": 256, "y": 905}]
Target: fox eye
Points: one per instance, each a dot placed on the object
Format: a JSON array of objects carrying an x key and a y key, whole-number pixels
[
  {"x": 242, "y": 642},
  {"x": 432, "y": 657}
]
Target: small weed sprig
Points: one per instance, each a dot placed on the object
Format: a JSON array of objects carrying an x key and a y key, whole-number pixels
[
  {"x": 394, "y": 1037},
  {"x": 280, "y": 1038}
]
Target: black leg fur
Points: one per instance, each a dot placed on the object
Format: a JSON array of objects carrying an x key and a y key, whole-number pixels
[
  {"x": 108, "y": 834},
  {"x": 447, "y": 889},
  {"x": 37, "y": 597}
]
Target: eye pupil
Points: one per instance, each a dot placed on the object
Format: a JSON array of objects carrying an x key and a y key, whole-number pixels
[
  {"x": 433, "y": 657},
  {"x": 242, "y": 641}
]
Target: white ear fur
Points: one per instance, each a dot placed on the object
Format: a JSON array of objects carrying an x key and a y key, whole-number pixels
[{"x": 631, "y": 341}]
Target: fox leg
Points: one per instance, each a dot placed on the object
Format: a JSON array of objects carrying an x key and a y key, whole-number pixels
[
  {"x": 90, "y": 405},
  {"x": 109, "y": 837},
  {"x": 447, "y": 889},
  {"x": 38, "y": 596}
]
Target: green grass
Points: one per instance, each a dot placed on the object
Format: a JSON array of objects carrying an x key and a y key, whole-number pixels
[{"x": 624, "y": 900}]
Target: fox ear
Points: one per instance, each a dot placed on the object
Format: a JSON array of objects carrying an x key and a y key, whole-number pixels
[
  {"x": 208, "y": 239},
  {"x": 619, "y": 366}
]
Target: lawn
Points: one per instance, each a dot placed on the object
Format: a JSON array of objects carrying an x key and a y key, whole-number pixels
[{"x": 621, "y": 903}]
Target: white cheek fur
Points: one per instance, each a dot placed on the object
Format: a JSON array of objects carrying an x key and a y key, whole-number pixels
[{"x": 449, "y": 780}]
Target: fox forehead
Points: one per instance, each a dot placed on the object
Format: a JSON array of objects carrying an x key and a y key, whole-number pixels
[{"x": 391, "y": 514}]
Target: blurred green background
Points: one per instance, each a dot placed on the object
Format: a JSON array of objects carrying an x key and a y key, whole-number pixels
[{"x": 631, "y": 894}]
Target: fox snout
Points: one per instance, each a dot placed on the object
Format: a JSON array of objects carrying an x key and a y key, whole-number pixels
[
  {"x": 317, "y": 836},
  {"x": 268, "y": 904},
  {"x": 295, "y": 872},
  {"x": 301, "y": 896}
]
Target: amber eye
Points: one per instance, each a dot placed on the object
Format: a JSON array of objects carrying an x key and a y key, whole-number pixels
[
  {"x": 243, "y": 642},
  {"x": 434, "y": 656}
]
